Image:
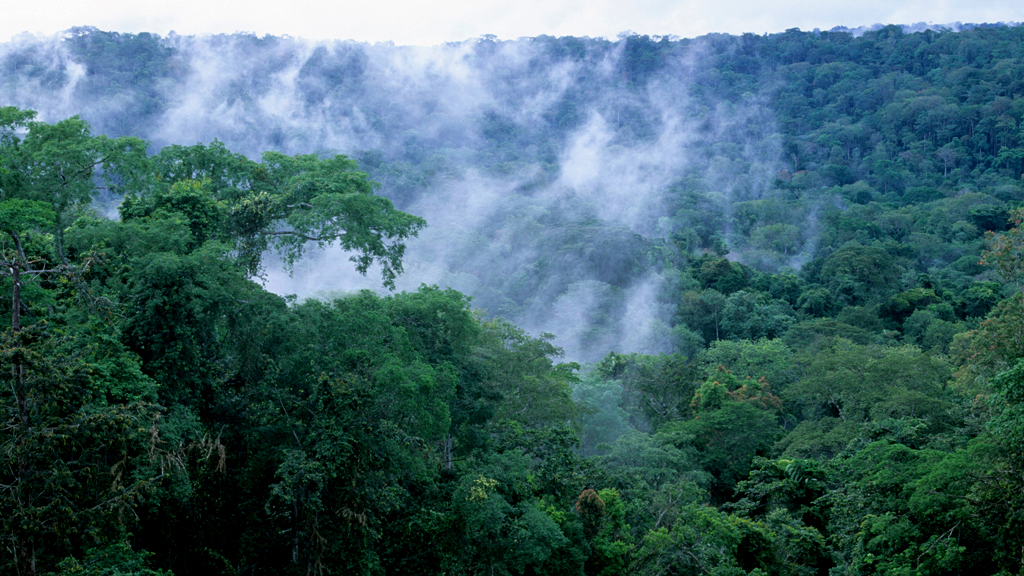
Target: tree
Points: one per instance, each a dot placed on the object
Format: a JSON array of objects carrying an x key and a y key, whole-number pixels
[
  {"x": 72, "y": 466},
  {"x": 784, "y": 238},
  {"x": 999, "y": 341},
  {"x": 786, "y": 496},
  {"x": 910, "y": 511},
  {"x": 1006, "y": 250},
  {"x": 18, "y": 218},
  {"x": 764, "y": 358},
  {"x": 64, "y": 165},
  {"x": 508, "y": 529},
  {"x": 285, "y": 203},
  {"x": 535, "y": 391},
  {"x": 348, "y": 425},
  {"x": 857, "y": 274},
  {"x": 852, "y": 392},
  {"x": 49, "y": 177},
  {"x": 604, "y": 519},
  {"x": 702, "y": 312},
  {"x": 948, "y": 155},
  {"x": 728, "y": 436},
  {"x": 1007, "y": 428},
  {"x": 655, "y": 389},
  {"x": 701, "y": 541},
  {"x": 751, "y": 315}
]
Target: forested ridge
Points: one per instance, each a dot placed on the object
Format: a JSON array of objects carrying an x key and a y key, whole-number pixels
[{"x": 789, "y": 300}]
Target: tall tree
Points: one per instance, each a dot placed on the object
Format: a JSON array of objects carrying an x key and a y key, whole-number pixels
[{"x": 285, "y": 203}]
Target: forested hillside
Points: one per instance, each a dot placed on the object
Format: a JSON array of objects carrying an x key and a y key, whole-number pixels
[{"x": 728, "y": 305}]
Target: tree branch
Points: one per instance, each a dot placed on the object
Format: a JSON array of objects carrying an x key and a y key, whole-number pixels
[{"x": 301, "y": 235}]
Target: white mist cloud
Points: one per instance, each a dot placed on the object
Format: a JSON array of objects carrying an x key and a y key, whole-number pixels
[
  {"x": 644, "y": 325},
  {"x": 549, "y": 239},
  {"x": 482, "y": 226},
  {"x": 50, "y": 95},
  {"x": 624, "y": 182}
]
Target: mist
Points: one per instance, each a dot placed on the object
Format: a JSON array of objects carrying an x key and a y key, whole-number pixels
[{"x": 548, "y": 170}]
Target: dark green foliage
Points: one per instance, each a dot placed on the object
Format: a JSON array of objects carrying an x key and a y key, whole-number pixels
[
  {"x": 720, "y": 274},
  {"x": 858, "y": 274},
  {"x": 727, "y": 439},
  {"x": 902, "y": 305},
  {"x": 654, "y": 389},
  {"x": 70, "y": 467}
]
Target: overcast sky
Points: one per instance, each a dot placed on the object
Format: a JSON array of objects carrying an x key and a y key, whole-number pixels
[{"x": 426, "y": 22}]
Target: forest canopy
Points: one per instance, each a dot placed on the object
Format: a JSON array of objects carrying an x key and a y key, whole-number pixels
[{"x": 829, "y": 378}]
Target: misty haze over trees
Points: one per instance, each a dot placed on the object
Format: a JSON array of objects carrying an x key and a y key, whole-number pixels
[{"x": 726, "y": 305}]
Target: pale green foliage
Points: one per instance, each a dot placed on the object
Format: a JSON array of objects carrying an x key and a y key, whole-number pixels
[
  {"x": 764, "y": 358},
  {"x": 534, "y": 389},
  {"x": 701, "y": 540}
]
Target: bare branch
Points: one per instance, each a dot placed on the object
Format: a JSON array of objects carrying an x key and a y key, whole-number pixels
[{"x": 301, "y": 235}]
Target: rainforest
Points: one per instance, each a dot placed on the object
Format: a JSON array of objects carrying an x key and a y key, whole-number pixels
[{"x": 729, "y": 305}]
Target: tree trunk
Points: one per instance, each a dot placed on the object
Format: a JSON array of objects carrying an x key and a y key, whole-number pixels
[
  {"x": 295, "y": 533},
  {"x": 16, "y": 296},
  {"x": 448, "y": 458},
  {"x": 17, "y": 263},
  {"x": 25, "y": 546}
]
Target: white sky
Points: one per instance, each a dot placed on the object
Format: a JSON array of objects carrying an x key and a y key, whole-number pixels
[{"x": 425, "y": 22}]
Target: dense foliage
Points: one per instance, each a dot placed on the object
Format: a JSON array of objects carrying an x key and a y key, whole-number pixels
[{"x": 844, "y": 393}]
